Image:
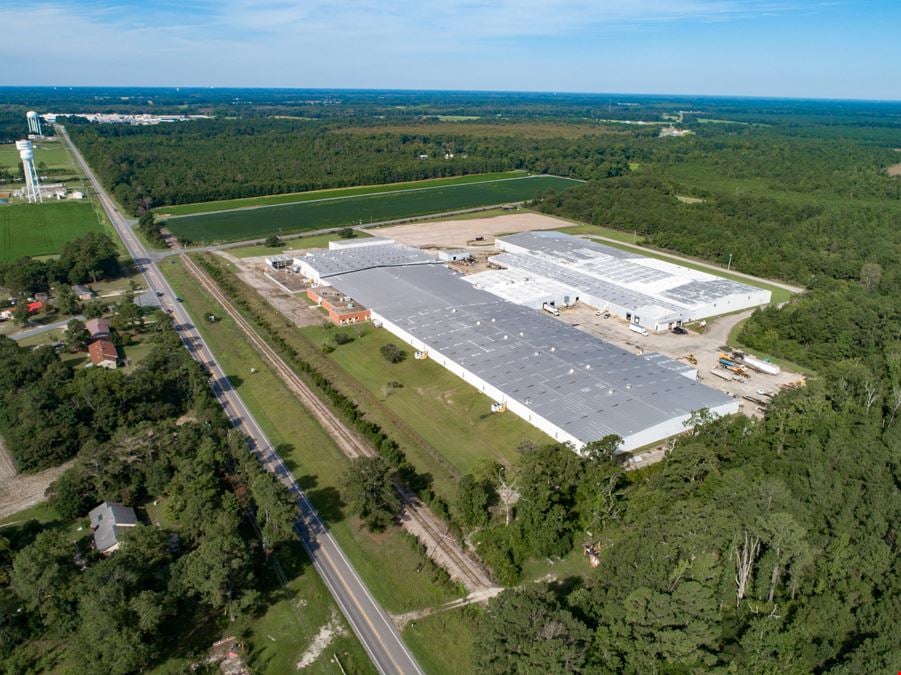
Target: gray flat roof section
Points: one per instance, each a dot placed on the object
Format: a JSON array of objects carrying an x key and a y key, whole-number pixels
[
  {"x": 565, "y": 246},
  {"x": 585, "y": 386},
  {"x": 621, "y": 267},
  {"x": 329, "y": 263},
  {"x": 580, "y": 281}
]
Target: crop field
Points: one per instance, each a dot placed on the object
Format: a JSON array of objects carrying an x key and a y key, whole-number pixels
[
  {"x": 334, "y": 212},
  {"x": 43, "y": 229},
  {"x": 312, "y": 195}
]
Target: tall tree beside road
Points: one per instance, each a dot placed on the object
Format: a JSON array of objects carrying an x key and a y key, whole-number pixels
[{"x": 369, "y": 492}]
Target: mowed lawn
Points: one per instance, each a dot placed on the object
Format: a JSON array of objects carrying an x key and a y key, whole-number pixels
[
  {"x": 310, "y": 195},
  {"x": 452, "y": 416},
  {"x": 43, "y": 229},
  {"x": 314, "y": 241},
  {"x": 52, "y": 154},
  {"x": 334, "y": 212}
]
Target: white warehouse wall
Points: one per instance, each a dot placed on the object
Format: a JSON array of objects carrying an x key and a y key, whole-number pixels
[{"x": 647, "y": 436}]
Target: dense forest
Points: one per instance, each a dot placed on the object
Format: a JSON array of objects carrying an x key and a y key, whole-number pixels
[
  {"x": 156, "y": 432},
  {"x": 757, "y": 547},
  {"x": 221, "y": 159}
]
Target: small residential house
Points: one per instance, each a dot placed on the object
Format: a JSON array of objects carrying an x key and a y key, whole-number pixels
[
  {"x": 83, "y": 293},
  {"x": 104, "y": 354},
  {"x": 107, "y": 522},
  {"x": 35, "y": 307},
  {"x": 98, "y": 328}
]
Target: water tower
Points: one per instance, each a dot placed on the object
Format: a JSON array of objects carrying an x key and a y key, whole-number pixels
[
  {"x": 34, "y": 122},
  {"x": 32, "y": 185}
]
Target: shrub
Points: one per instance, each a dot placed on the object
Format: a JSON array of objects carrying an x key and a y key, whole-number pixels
[
  {"x": 343, "y": 338},
  {"x": 392, "y": 353}
]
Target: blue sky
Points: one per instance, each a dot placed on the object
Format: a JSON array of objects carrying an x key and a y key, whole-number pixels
[{"x": 794, "y": 48}]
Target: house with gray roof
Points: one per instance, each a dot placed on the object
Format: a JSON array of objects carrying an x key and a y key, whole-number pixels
[{"x": 107, "y": 523}]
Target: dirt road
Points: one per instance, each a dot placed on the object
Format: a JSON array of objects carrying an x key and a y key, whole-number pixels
[{"x": 456, "y": 233}]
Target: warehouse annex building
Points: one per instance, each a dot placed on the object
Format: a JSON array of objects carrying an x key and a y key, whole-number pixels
[
  {"x": 559, "y": 269},
  {"x": 572, "y": 386}
]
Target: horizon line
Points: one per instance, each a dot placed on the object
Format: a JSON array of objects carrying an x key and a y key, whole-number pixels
[{"x": 759, "y": 97}]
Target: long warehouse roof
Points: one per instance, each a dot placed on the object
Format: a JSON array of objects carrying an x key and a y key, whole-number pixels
[
  {"x": 329, "y": 263},
  {"x": 634, "y": 280},
  {"x": 584, "y": 386}
]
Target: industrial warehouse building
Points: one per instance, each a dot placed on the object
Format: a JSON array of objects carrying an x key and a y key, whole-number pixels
[
  {"x": 559, "y": 269},
  {"x": 572, "y": 386}
]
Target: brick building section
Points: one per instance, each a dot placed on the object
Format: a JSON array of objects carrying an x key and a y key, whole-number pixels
[{"x": 342, "y": 310}]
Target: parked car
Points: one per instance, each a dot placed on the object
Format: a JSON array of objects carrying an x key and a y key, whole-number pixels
[{"x": 678, "y": 330}]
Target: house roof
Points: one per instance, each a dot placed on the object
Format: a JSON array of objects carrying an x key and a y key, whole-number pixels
[
  {"x": 106, "y": 520},
  {"x": 102, "y": 350},
  {"x": 78, "y": 289},
  {"x": 97, "y": 326}
]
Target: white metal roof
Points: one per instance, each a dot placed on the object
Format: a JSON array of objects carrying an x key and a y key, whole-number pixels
[
  {"x": 624, "y": 278},
  {"x": 587, "y": 387}
]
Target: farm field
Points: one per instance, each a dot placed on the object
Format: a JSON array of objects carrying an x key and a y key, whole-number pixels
[
  {"x": 43, "y": 229},
  {"x": 249, "y": 223},
  {"x": 292, "y": 197}
]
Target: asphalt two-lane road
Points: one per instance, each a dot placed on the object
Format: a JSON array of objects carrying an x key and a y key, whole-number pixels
[{"x": 371, "y": 624}]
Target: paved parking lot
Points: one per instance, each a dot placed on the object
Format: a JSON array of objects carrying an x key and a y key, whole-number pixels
[{"x": 705, "y": 347}]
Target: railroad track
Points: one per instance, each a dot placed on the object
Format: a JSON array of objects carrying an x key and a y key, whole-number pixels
[{"x": 350, "y": 443}]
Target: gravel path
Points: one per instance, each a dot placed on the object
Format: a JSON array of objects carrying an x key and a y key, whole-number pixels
[{"x": 19, "y": 492}]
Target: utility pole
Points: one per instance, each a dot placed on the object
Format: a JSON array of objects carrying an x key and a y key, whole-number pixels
[{"x": 729, "y": 264}]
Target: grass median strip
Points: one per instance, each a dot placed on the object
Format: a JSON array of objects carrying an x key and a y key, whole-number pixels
[{"x": 389, "y": 562}]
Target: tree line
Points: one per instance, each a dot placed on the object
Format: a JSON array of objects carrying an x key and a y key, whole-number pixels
[
  {"x": 155, "y": 433},
  {"x": 92, "y": 257},
  {"x": 757, "y": 546}
]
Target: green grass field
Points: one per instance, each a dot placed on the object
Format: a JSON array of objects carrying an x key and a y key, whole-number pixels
[
  {"x": 334, "y": 212},
  {"x": 43, "y": 229},
  {"x": 295, "y": 197},
  {"x": 442, "y": 642},
  {"x": 452, "y": 417},
  {"x": 316, "y": 241},
  {"x": 386, "y": 561},
  {"x": 52, "y": 154}
]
